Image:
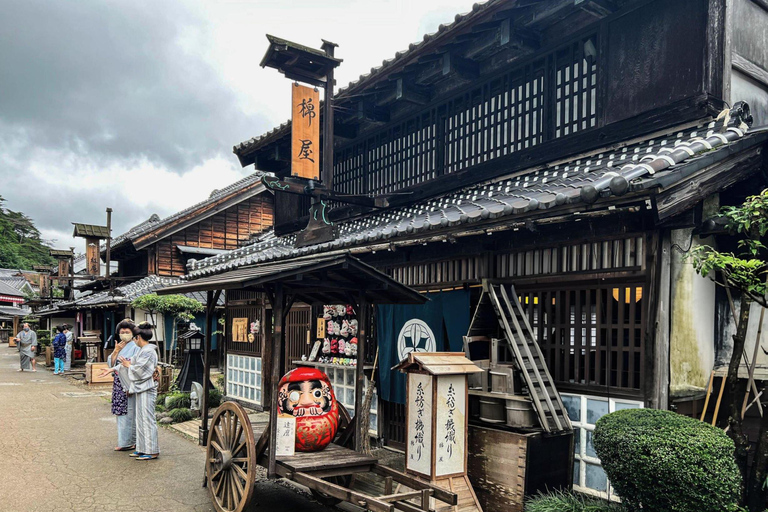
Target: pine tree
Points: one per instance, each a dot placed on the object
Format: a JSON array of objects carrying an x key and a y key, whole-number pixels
[{"x": 21, "y": 246}]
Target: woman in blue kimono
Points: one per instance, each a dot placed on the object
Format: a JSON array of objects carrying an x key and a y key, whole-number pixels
[
  {"x": 140, "y": 373},
  {"x": 123, "y": 404},
  {"x": 59, "y": 351}
]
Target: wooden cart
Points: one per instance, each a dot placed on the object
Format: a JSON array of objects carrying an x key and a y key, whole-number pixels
[{"x": 234, "y": 450}]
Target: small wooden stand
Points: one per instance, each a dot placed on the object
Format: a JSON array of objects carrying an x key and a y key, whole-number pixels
[{"x": 437, "y": 420}]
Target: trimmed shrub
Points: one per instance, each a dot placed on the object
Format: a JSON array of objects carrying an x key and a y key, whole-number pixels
[
  {"x": 559, "y": 501},
  {"x": 159, "y": 408},
  {"x": 181, "y": 415},
  {"x": 214, "y": 397},
  {"x": 660, "y": 460},
  {"x": 177, "y": 400}
]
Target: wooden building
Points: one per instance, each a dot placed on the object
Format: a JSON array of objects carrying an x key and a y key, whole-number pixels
[
  {"x": 153, "y": 254},
  {"x": 225, "y": 221},
  {"x": 571, "y": 149}
]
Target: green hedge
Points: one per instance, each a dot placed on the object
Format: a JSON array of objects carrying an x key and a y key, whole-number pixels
[
  {"x": 181, "y": 415},
  {"x": 660, "y": 460},
  {"x": 558, "y": 501}
]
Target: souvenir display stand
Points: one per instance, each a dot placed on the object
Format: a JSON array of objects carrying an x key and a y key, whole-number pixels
[
  {"x": 234, "y": 449},
  {"x": 436, "y": 416}
]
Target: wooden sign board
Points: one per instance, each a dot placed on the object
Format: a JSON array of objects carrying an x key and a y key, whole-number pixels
[
  {"x": 451, "y": 424},
  {"x": 240, "y": 330},
  {"x": 320, "y": 328},
  {"x": 305, "y": 133},
  {"x": 419, "y": 447},
  {"x": 92, "y": 256},
  {"x": 286, "y": 436}
]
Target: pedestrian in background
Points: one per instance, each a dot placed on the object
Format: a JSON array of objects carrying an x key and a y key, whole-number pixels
[
  {"x": 140, "y": 372},
  {"x": 68, "y": 348},
  {"x": 59, "y": 351},
  {"x": 123, "y": 403},
  {"x": 27, "y": 340}
]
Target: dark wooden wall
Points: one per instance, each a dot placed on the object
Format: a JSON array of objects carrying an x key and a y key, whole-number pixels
[
  {"x": 655, "y": 57},
  {"x": 749, "y": 79},
  {"x": 225, "y": 230}
]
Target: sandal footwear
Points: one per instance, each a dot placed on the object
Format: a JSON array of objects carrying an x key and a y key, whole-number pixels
[
  {"x": 125, "y": 449},
  {"x": 135, "y": 454},
  {"x": 146, "y": 457}
]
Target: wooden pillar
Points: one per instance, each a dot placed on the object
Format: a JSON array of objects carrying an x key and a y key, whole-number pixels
[
  {"x": 210, "y": 306},
  {"x": 278, "y": 340},
  {"x": 362, "y": 338}
]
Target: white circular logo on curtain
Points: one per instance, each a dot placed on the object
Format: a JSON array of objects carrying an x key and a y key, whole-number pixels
[{"x": 415, "y": 336}]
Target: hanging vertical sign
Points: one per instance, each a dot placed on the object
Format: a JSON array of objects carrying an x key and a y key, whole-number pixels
[{"x": 305, "y": 133}]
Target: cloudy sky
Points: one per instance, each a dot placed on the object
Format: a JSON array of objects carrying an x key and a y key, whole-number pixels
[{"x": 136, "y": 104}]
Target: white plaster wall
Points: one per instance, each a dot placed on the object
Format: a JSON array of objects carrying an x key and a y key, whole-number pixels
[{"x": 692, "y": 320}]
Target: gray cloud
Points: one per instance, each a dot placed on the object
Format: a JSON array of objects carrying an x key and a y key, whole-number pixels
[
  {"x": 115, "y": 80},
  {"x": 107, "y": 84}
]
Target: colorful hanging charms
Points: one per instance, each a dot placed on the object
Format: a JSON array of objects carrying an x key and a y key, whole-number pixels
[{"x": 306, "y": 394}]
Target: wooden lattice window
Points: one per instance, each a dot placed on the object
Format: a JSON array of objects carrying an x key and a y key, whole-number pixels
[
  {"x": 607, "y": 255},
  {"x": 457, "y": 271},
  {"x": 552, "y": 96},
  {"x": 575, "y": 87},
  {"x": 591, "y": 335}
]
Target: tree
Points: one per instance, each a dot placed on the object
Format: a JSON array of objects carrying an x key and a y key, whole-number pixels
[
  {"x": 745, "y": 272},
  {"x": 178, "y": 307},
  {"x": 20, "y": 244}
]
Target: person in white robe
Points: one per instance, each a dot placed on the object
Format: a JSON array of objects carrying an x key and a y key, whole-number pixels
[
  {"x": 68, "y": 348},
  {"x": 139, "y": 372}
]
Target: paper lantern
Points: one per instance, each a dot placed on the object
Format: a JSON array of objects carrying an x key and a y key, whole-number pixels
[{"x": 306, "y": 394}]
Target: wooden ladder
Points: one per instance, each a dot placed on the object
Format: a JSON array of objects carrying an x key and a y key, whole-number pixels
[{"x": 525, "y": 349}]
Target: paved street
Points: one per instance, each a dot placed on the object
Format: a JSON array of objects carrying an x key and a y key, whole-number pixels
[{"x": 56, "y": 444}]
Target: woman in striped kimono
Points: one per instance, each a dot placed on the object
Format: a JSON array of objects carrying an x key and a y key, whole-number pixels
[
  {"x": 123, "y": 404},
  {"x": 139, "y": 372}
]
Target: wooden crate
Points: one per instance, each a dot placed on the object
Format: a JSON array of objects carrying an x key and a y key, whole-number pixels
[
  {"x": 92, "y": 371},
  {"x": 166, "y": 377},
  {"x": 505, "y": 467}
]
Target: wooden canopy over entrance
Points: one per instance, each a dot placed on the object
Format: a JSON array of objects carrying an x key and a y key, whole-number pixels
[{"x": 331, "y": 279}]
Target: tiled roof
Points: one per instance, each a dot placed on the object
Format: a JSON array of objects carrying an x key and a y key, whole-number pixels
[
  {"x": 9, "y": 312},
  {"x": 128, "y": 293},
  {"x": 154, "y": 222},
  {"x": 17, "y": 283},
  {"x": 634, "y": 166},
  {"x": 7, "y": 289},
  {"x": 151, "y": 222}
]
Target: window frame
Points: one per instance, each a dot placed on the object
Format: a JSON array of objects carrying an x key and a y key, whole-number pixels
[{"x": 581, "y": 427}]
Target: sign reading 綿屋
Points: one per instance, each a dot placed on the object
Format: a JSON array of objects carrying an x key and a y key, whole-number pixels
[{"x": 305, "y": 133}]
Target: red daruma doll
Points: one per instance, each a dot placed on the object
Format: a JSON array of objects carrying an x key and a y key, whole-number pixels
[{"x": 306, "y": 394}]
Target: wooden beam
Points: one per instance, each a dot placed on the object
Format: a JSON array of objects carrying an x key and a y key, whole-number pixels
[
  {"x": 400, "y": 90},
  {"x": 467, "y": 69},
  {"x": 413, "y": 483},
  {"x": 278, "y": 340},
  {"x": 342, "y": 493},
  {"x": 363, "y": 309},
  {"x": 212, "y": 298},
  {"x": 369, "y": 112}
]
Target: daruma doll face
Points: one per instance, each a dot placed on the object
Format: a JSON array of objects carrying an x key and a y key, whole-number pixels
[{"x": 306, "y": 394}]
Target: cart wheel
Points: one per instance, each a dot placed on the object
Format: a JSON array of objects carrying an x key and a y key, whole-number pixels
[
  {"x": 230, "y": 464},
  {"x": 328, "y": 500}
]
